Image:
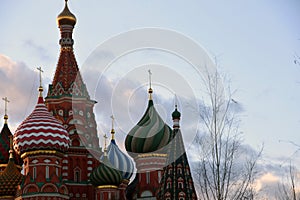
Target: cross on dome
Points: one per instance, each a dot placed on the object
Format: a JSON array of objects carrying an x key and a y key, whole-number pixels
[
  {"x": 40, "y": 87},
  {"x": 112, "y": 127},
  {"x": 6, "y": 101},
  {"x": 105, "y": 144},
  {"x": 150, "y": 91}
]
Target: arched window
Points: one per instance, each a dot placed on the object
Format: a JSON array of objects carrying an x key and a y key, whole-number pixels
[
  {"x": 168, "y": 185},
  {"x": 179, "y": 170},
  {"x": 77, "y": 175},
  {"x": 180, "y": 185},
  {"x": 147, "y": 193},
  {"x": 61, "y": 112}
]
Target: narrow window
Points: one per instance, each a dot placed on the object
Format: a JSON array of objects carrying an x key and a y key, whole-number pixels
[
  {"x": 159, "y": 176},
  {"x": 77, "y": 176},
  {"x": 34, "y": 173},
  {"x": 147, "y": 177},
  {"x": 47, "y": 172}
]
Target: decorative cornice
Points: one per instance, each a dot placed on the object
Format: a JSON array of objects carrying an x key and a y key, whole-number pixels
[
  {"x": 26, "y": 154},
  {"x": 107, "y": 187},
  {"x": 151, "y": 155}
]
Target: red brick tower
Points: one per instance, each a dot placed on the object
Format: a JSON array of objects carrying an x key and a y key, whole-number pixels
[{"x": 68, "y": 100}]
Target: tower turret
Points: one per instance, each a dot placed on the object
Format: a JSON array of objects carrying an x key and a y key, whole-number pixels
[
  {"x": 177, "y": 181},
  {"x": 69, "y": 102}
]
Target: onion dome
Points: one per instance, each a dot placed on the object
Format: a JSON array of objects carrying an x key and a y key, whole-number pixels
[
  {"x": 41, "y": 131},
  {"x": 5, "y": 135},
  {"x": 10, "y": 178},
  {"x": 105, "y": 174},
  {"x": 66, "y": 17},
  {"x": 119, "y": 159},
  {"x": 4, "y": 147},
  {"x": 176, "y": 114},
  {"x": 150, "y": 134}
]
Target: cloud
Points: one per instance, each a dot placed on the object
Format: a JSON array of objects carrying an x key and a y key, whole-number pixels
[
  {"x": 36, "y": 49},
  {"x": 19, "y": 84}
]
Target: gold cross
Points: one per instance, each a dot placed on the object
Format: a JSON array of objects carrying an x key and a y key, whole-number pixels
[
  {"x": 41, "y": 71},
  {"x": 6, "y": 101},
  {"x": 112, "y": 121},
  {"x": 150, "y": 73},
  {"x": 105, "y": 138},
  {"x": 112, "y": 127}
]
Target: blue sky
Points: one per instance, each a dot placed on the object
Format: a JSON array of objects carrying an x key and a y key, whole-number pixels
[{"x": 254, "y": 43}]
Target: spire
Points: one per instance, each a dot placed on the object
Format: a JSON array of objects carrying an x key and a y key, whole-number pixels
[
  {"x": 5, "y": 110},
  {"x": 112, "y": 128},
  {"x": 176, "y": 117},
  {"x": 150, "y": 91},
  {"x": 67, "y": 79},
  {"x": 41, "y": 85}
]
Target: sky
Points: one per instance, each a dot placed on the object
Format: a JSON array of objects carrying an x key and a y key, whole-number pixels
[{"x": 253, "y": 42}]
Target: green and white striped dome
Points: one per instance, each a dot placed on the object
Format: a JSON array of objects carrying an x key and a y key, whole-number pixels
[
  {"x": 105, "y": 174},
  {"x": 150, "y": 134}
]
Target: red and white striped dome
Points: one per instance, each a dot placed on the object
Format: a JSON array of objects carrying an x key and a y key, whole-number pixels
[{"x": 41, "y": 131}]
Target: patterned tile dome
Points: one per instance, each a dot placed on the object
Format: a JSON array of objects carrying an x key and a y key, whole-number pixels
[
  {"x": 10, "y": 178},
  {"x": 105, "y": 174},
  {"x": 119, "y": 159},
  {"x": 41, "y": 131}
]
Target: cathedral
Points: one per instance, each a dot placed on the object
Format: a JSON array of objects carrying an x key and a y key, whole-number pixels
[{"x": 54, "y": 153}]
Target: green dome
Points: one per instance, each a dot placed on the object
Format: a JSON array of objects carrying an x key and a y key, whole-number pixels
[
  {"x": 176, "y": 114},
  {"x": 150, "y": 134},
  {"x": 105, "y": 174}
]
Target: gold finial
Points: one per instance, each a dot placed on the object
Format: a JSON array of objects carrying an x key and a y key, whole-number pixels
[
  {"x": 112, "y": 127},
  {"x": 66, "y": 17},
  {"x": 40, "y": 87},
  {"x": 5, "y": 109},
  {"x": 105, "y": 147},
  {"x": 150, "y": 91},
  {"x": 11, "y": 147}
]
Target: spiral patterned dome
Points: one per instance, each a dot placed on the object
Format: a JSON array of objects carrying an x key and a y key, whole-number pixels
[
  {"x": 150, "y": 134},
  {"x": 120, "y": 160},
  {"x": 10, "y": 179},
  {"x": 105, "y": 174},
  {"x": 41, "y": 131}
]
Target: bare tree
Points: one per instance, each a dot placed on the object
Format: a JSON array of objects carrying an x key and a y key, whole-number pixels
[
  {"x": 287, "y": 189},
  {"x": 226, "y": 168},
  {"x": 297, "y": 59}
]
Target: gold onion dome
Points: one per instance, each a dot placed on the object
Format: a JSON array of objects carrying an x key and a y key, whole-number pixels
[{"x": 66, "y": 17}]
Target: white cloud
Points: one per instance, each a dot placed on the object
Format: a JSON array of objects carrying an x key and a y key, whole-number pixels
[{"x": 19, "y": 84}]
